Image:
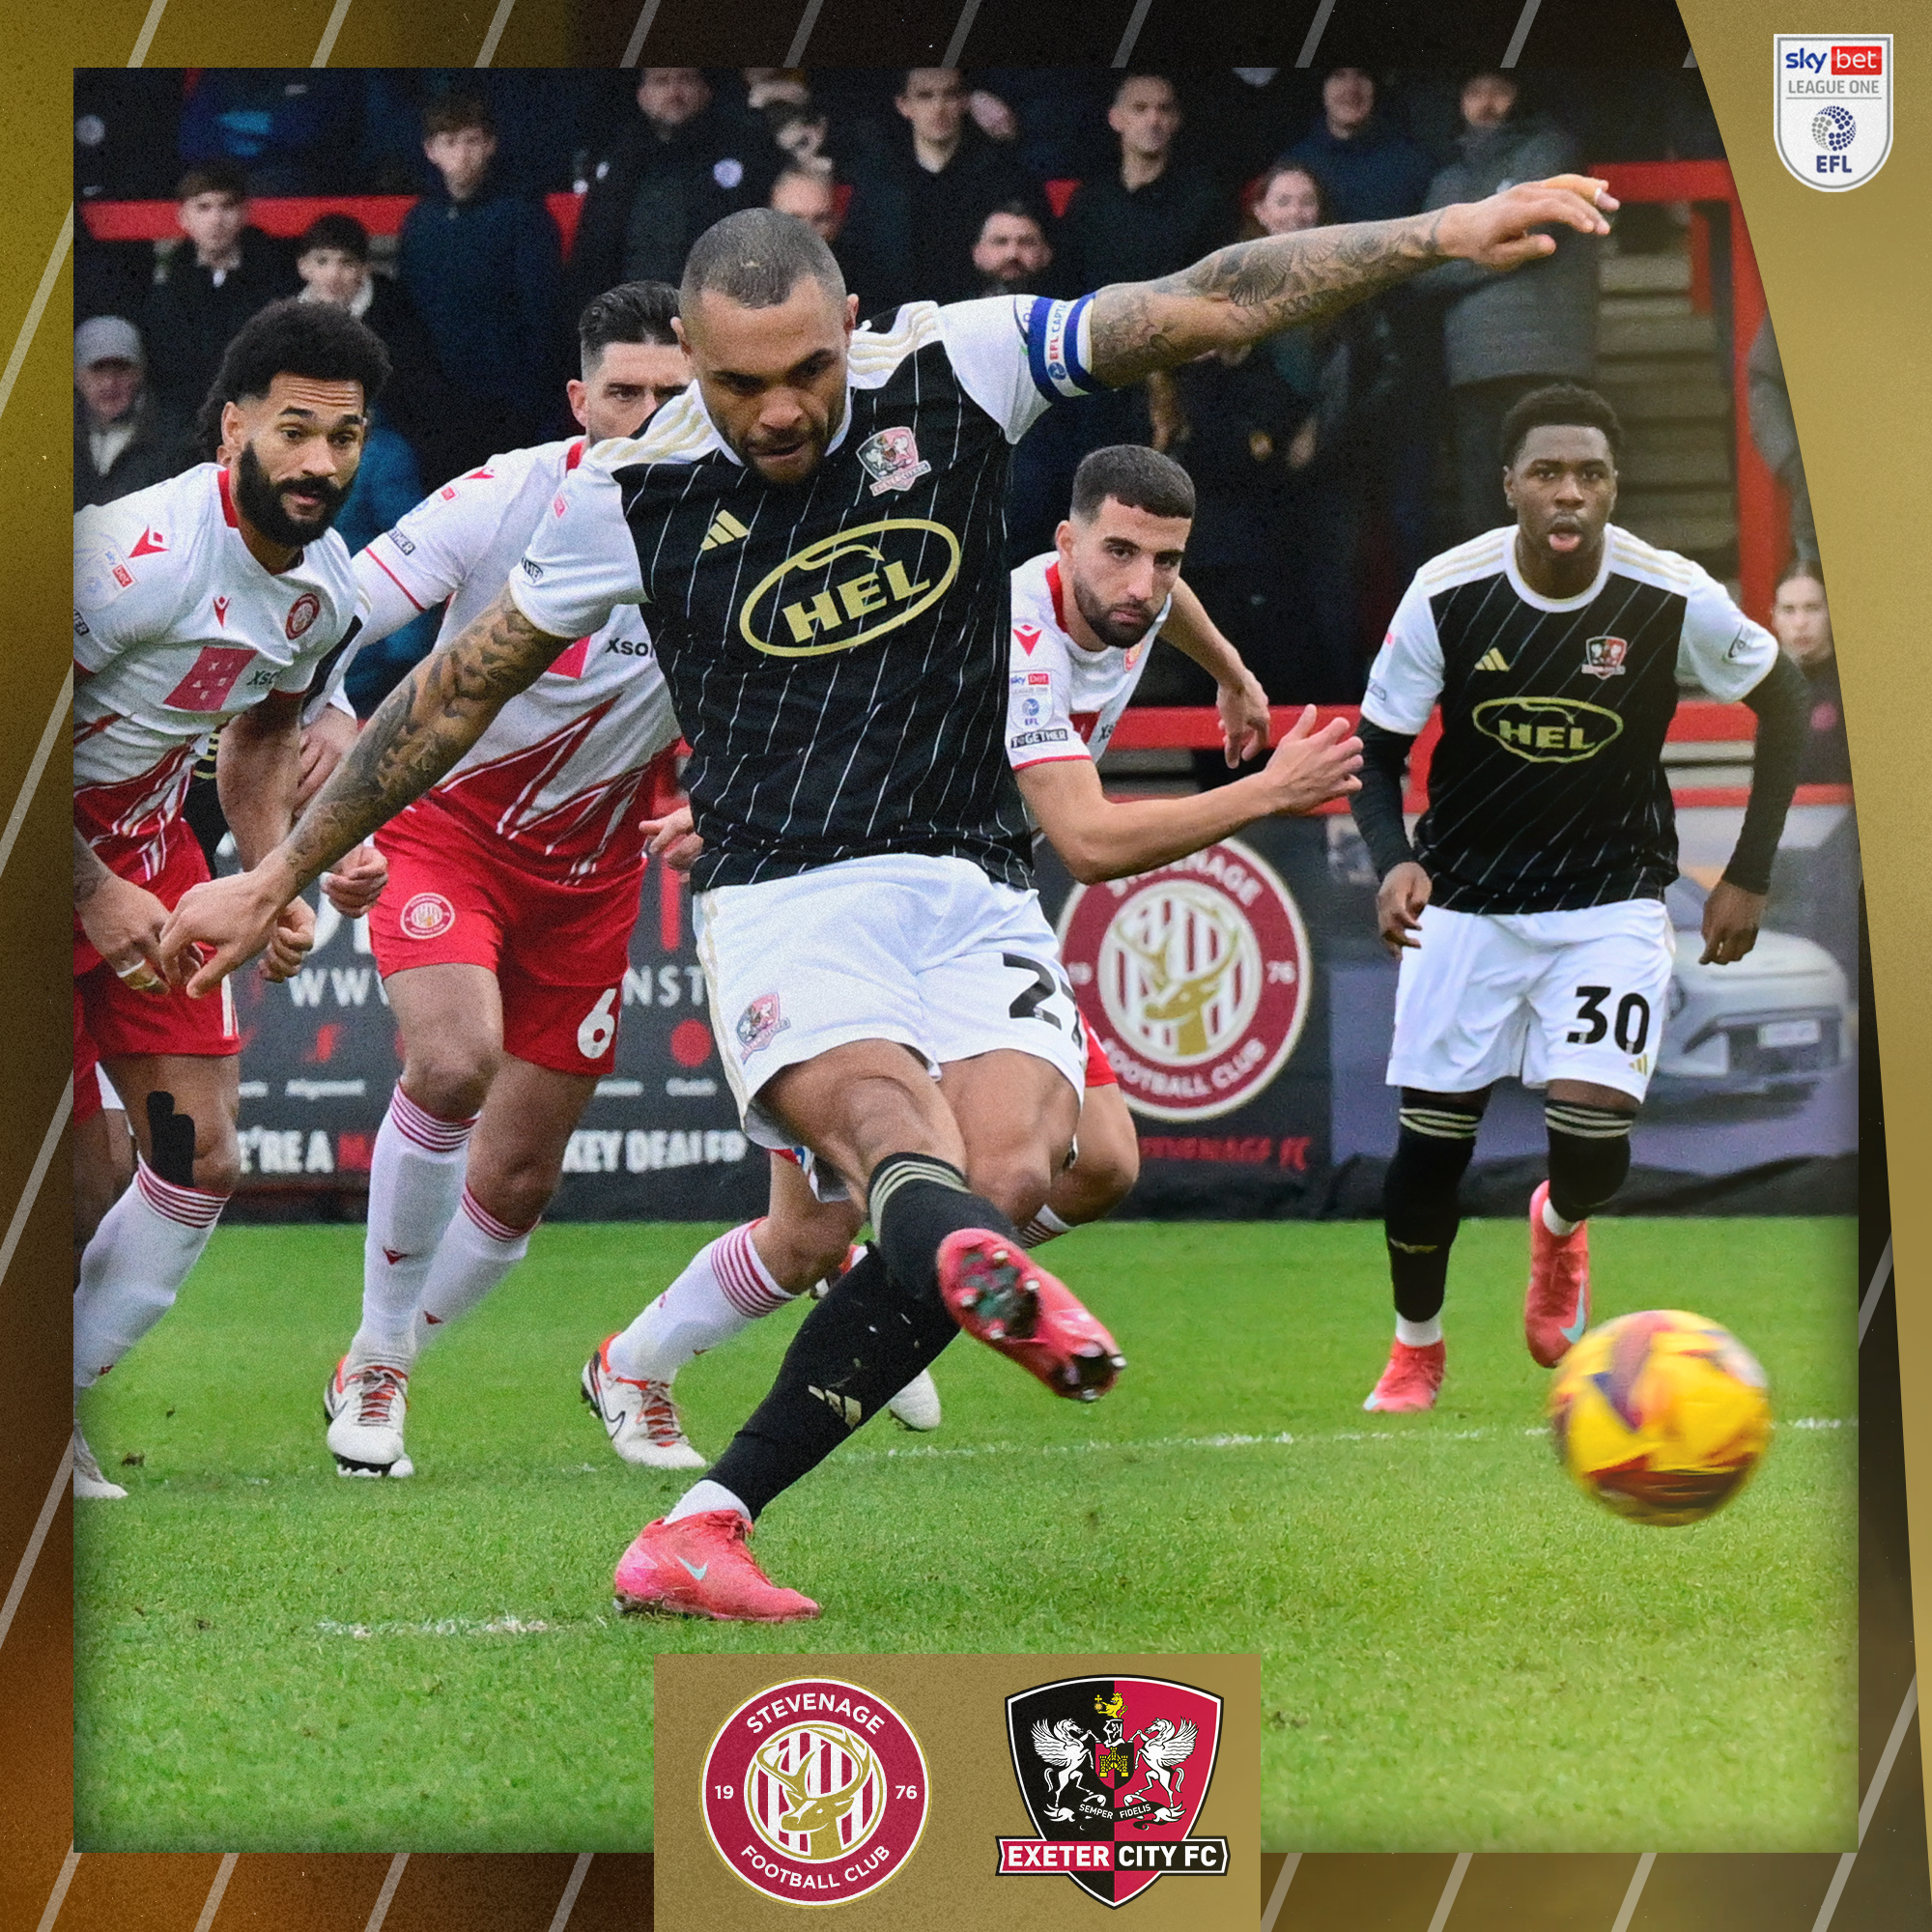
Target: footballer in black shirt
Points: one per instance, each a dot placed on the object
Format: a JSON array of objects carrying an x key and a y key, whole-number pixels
[
  {"x": 816, "y": 537},
  {"x": 1528, "y": 915}
]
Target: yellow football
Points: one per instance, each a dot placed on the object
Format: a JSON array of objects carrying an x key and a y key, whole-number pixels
[{"x": 1660, "y": 1416}]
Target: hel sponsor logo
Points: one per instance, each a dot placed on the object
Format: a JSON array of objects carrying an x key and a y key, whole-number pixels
[
  {"x": 850, "y": 588},
  {"x": 892, "y": 457},
  {"x": 427, "y": 916},
  {"x": 1549, "y": 731},
  {"x": 758, "y": 1025},
  {"x": 1832, "y": 107},
  {"x": 1195, "y": 976},
  {"x": 303, "y": 612},
  {"x": 1114, "y": 1772},
  {"x": 814, "y": 1792},
  {"x": 1604, "y": 657}
]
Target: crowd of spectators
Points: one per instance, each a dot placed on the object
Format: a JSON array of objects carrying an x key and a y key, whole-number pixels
[{"x": 1328, "y": 462}]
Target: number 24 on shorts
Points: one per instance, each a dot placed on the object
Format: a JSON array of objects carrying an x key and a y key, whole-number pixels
[{"x": 1632, "y": 1021}]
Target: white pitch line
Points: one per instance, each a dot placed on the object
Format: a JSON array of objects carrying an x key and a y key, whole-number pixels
[
  {"x": 1881, "y": 1274},
  {"x": 1271, "y": 1910},
  {"x": 1136, "y": 20},
  {"x": 1638, "y": 1878},
  {"x": 1526, "y": 20},
  {"x": 37, "y": 309},
  {"x": 1446, "y": 1904},
  {"x": 796, "y": 51},
  {"x": 956, "y": 45},
  {"x": 498, "y": 22},
  {"x": 325, "y": 46},
  {"x": 58, "y": 1897},
  {"x": 635, "y": 45},
  {"x": 223, "y": 1873},
  {"x": 1317, "y": 28},
  {"x": 145, "y": 39},
  {"x": 394, "y": 1876},
  {"x": 1842, "y": 1872},
  {"x": 37, "y": 767},
  {"x": 29, "y": 1556},
  {"x": 572, "y": 1887}
]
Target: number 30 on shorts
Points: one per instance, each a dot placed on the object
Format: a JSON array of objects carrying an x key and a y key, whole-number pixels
[
  {"x": 1632, "y": 1023},
  {"x": 599, "y": 1027}
]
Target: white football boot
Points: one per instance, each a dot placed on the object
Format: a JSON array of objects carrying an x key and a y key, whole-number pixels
[
  {"x": 640, "y": 1417},
  {"x": 365, "y": 1408},
  {"x": 89, "y": 1483},
  {"x": 917, "y": 1405}
]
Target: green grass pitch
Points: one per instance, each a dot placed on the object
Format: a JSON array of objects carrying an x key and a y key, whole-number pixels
[{"x": 1458, "y": 1652}]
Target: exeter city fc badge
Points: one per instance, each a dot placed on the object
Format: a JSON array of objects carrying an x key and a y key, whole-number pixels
[
  {"x": 814, "y": 1792},
  {"x": 1833, "y": 106},
  {"x": 1604, "y": 657},
  {"x": 891, "y": 459},
  {"x": 1114, "y": 1770},
  {"x": 760, "y": 1024}
]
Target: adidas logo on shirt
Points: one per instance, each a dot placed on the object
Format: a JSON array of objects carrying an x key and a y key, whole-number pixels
[
  {"x": 1492, "y": 661},
  {"x": 726, "y": 528}
]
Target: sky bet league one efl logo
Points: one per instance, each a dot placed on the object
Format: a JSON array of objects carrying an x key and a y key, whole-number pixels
[{"x": 1833, "y": 106}]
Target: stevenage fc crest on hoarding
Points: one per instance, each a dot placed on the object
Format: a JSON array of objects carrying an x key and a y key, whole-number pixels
[
  {"x": 1833, "y": 106},
  {"x": 814, "y": 1792},
  {"x": 1114, "y": 1770},
  {"x": 1195, "y": 977}
]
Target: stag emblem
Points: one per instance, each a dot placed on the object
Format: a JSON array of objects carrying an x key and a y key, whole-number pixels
[
  {"x": 818, "y": 1816},
  {"x": 1186, "y": 943}
]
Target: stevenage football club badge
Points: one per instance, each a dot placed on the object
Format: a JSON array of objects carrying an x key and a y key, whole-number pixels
[
  {"x": 1833, "y": 106},
  {"x": 814, "y": 1792},
  {"x": 1114, "y": 1770}
]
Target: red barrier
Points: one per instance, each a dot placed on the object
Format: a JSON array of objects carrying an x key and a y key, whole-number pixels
[
  {"x": 1699, "y": 721},
  {"x": 288, "y": 215}
]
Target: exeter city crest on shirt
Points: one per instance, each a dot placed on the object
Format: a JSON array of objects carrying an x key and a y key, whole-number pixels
[
  {"x": 1833, "y": 106},
  {"x": 1114, "y": 1770},
  {"x": 892, "y": 459}
]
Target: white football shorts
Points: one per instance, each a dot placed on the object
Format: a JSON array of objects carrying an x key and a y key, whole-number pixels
[
  {"x": 1537, "y": 997},
  {"x": 926, "y": 951}
]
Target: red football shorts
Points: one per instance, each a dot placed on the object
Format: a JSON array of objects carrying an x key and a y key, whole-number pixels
[
  {"x": 121, "y": 1022},
  {"x": 558, "y": 949},
  {"x": 1100, "y": 1069}
]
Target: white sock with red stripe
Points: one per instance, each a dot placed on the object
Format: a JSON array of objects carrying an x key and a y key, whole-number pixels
[
  {"x": 475, "y": 1253},
  {"x": 135, "y": 1266},
  {"x": 415, "y": 1179},
  {"x": 723, "y": 1289}
]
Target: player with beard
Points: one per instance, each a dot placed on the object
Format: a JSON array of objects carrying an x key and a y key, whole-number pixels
[
  {"x": 1528, "y": 915},
  {"x": 817, "y": 528},
  {"x": 217, "y": 599}
]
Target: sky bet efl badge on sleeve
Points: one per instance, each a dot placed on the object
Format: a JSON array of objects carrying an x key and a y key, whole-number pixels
[{"x": 1833, "y": 106}]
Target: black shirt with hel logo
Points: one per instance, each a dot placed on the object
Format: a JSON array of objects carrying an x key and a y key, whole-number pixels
[
  {"x": 1546, "y": 791},
  {"x": 837, "y": 650}
]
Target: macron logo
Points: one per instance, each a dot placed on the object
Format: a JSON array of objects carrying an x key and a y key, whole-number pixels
[
  {"x": 1027, "y": 636},
  {"x": 151, "y": 541}
]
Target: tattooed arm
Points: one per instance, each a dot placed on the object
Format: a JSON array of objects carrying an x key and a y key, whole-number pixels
[
  {"x": 1241, "y": 293},
  {"x": 423, "y": 727}
]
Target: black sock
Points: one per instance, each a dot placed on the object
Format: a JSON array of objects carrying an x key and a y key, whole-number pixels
[
  {"x": 1419, "y": 1210},
  {"x": 170, "y": 1140},
  {"x": 915, "y": 1200},
  {"x": 1589, "y": 1156},
  {"x": 853, "y": 1353}
]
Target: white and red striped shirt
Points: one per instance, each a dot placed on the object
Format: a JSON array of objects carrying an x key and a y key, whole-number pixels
[
  {"x": 558, "y": 773},
  {"x": 1063, "y": 701},
  {"x": 178, "y": 628}
]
